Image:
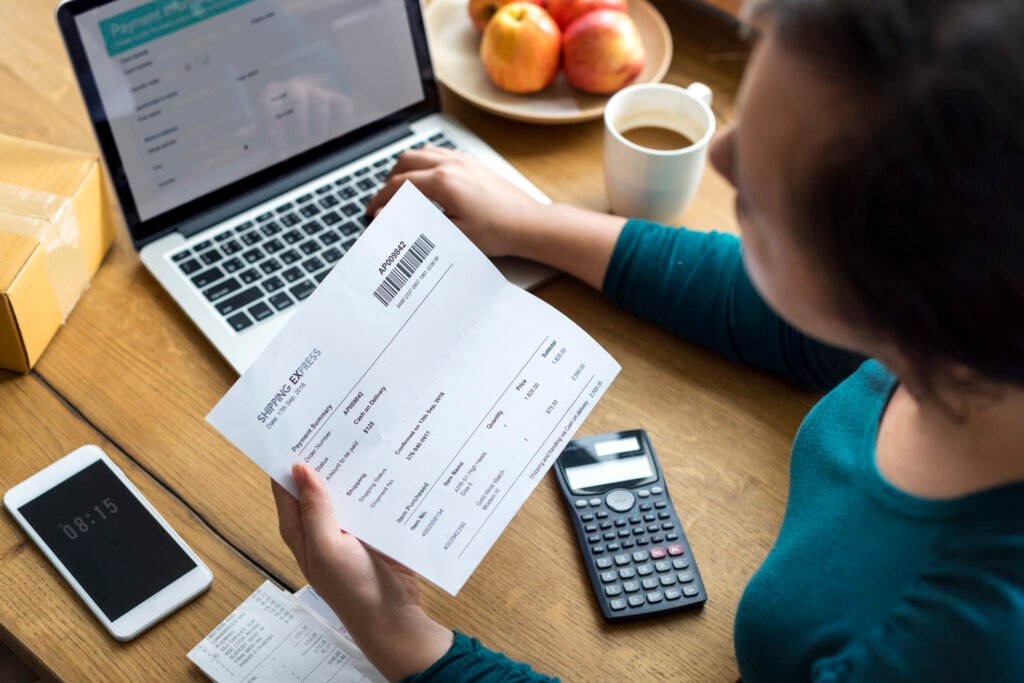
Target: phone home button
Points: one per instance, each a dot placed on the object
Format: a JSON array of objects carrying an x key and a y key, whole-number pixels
[{"x": 620, "y": 500}]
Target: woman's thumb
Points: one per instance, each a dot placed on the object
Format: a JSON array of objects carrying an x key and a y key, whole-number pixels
[{"x": 318, "y": 519}]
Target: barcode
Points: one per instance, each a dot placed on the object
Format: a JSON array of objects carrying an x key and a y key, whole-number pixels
[{"x": 404, "y": 270}]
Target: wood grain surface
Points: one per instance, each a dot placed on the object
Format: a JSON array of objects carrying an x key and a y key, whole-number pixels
[{"x": 140, "y": 376}]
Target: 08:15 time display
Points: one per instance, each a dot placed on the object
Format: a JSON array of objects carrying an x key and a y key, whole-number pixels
[{"x": 82, "y": 524}]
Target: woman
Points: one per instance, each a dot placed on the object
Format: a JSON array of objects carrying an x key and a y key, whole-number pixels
[{"x": 877, "y": 163}]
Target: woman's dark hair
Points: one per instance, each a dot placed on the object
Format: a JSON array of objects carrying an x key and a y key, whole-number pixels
[{"x": 917, "y": 206}]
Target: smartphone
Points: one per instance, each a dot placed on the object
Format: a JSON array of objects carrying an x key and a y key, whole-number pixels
[{"x": 124, "y": 561}]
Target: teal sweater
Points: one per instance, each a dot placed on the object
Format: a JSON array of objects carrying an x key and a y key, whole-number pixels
[{"x": 865, "y": 582}]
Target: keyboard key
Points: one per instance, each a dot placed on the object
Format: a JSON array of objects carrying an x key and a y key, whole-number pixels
[
  {"x": 250, "y": 276},
  {"x": 192, "y": 266},
  {"x": 447, "y": 144},
  {"x": 350, "y": 209},
  {"x": 260, "y": 311},
  {"x": 310, "y": 247},
  {"x": 239, "y": 321},
  {"x": 343, "y": 180},
  {"x": 329, "y": 201},
  {"x": 348, "y": 245},
  {"x": 436, "y": 137},
  {"x": 273, "y": 245},
  {"x": 381, "y": 176},
  {"x": 242, "y": 227},
  {"x": 365, "y": 200},
  {"x": 207, "y": 277},
  {"x": 319, "y": 277},
  {"x": 270, "y": 265},
  {"x": 329, "y": 238},
  {"x": 347, "y": 193},
  {"x": 239, "y": 301},
  {"x": 312, "y": 227},
  {"x": 617, "y": 604},
  {"x": 304, "y": 198},
  {"x": 223, "y": 236},
  {"x": 321, "y": 190},
  {"x": 312, "y": 264},
  {"x": 252, "y": 237},
  {"x": 292, "y": 236},
  {"x": 366, "y": 184},
  {"x": 180, "y": 256},
  {"x": 361, "y": 172},
  {"x": 252, "y": 255},
  {"x": 281, "y": 301},
  {"x": 302, "y": 290},
  {"x": 381, "y": 163},
  {"x": 233, "y": 264},
  {"x": 290, "y": 219},
  {"x": 332, "y": 254},
  {"x": 350, "y": 228},
  {"x": 331, "y": 217},
  {"x": 309, "y": 210},
  {"x": 231, "y": 247},
  {"x": 292, "y": 274},
  {"x": 264, "y": 217},
  {"x": 290, "y": 256},
  {"x": 271, "y": 228},
  {"x": 210, "y": 257},
  {"x": 222, "y": 289},
  {"x": 272, "y": 284},
  {"x": 287, "y": 206},
  {"x": 205, "y": 244}
]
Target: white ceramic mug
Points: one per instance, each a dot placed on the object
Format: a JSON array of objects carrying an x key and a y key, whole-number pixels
[{"x": 650, "y": 183}]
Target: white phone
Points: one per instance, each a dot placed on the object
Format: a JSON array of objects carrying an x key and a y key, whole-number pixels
[{"x": 117, "y": 552}]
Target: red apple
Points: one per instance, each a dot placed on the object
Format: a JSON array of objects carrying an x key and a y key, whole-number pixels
[
  {"x": 602, "y": 52},
  {"x": 521, "y": 48},
  {"x": 564, "y": 12},
  {"x": 481, "y": 11}
]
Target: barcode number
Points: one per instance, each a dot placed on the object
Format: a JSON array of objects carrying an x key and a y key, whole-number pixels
[{"x": 404, "y": 270}]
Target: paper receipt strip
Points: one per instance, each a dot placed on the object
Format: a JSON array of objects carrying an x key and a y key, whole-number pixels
[{"x": 431, "y": 394}]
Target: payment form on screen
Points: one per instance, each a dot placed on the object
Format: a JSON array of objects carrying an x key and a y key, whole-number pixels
[
  {"x": 430, "y": 393},
  {"x": 200, "y": 93}
]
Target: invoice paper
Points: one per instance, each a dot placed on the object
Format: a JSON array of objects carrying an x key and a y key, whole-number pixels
[
  {"x": 272, "y": 636},
  {"x": 430, "y": 393}
]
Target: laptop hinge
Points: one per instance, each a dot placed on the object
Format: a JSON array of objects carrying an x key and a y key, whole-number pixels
[{"x": 281, "y": 185}]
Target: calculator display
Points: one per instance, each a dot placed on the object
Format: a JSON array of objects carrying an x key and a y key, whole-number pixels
[{"x": 609, "y": 471}]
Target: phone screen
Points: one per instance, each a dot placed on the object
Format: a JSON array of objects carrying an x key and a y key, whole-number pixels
[{"x": 107, "y": 539}]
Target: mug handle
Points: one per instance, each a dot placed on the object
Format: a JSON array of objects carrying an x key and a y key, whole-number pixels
[{"x": 701, "y": 92}]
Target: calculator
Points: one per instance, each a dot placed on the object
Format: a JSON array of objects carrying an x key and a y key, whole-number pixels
[{"x": 633, "y": 545}]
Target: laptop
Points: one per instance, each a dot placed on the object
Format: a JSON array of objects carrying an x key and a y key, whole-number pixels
[{"x": 244, "y": 139}]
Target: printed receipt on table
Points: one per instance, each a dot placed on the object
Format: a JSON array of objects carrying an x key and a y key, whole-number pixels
[{"x": 430, "y": 393}]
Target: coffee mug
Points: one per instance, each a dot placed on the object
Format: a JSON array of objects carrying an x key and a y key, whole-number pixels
[{"x": 656, "y": 184}]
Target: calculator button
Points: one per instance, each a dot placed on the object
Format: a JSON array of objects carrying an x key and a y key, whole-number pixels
[
  {"x": 680, "y": 563},
  {"x": 594, "y": 538},
  {"x": 612, "y": 591},
  {"x": 673, "y": 536},
  {"x": 621, "y": 521},
  {"x": 673, "y": 594},
  {"x": 581, "y": 503},
  {"x": 654, "y": 597},
  {"x": 594, "y": 502},
  {"x": 667, "y": 580},
  {"x": 642, "y": 540},
  {"x": 597, "y": 550},
  {"x": 612, "y": 547},
  {"x": 623, "y": 533},
  {"x": 603, "y": 562},
  {"x": 634, "y": 519},
  {"x": 658, "y": 553},
  {"x": 602, "y": 514},
  {"x": 649, "y": 518},
  {"x": 608, "y": 576},
  {"x": 643, "y": 493},
  {"x": 631, "y": 586},
  {"x": 657, "y": 490},
  {"x": 590, "y": 528},
  {"x": 636, "y": 600},
  {"x": 645, "y": 570},
  {"x": 685, "y": 577},
  {"x": 617, "y": 604},
  {"x": 620, "y": 500},
  {"x": 657, "y": 538},
  {"x": 667, "y": 525},
  {"x": 663, "y": 515},
  {"x": 660, "y": 504},
  {"x": 622, "y": 560},
  {"x": 690, "y": 591},
  {"x": 628, "y": 543},
  {"x": 648, "y": 584},
  {"x": 609, "y": 535},
  {"x": 640, "y": 556},
  {"x": 652, "y": 528},
  {"x": 662, "y": 565},
  {"x": 606, "y": 525},
  {"x": 587, "y": 517},
  {"x": 645, "y": 507},
  {"x": 638, "y": 530},
  {"x": 627, "y": 573},
  {"x": 675, "y": 549}
]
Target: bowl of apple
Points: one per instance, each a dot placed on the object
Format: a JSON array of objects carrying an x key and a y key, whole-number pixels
[{"x": 546, "y": 61}]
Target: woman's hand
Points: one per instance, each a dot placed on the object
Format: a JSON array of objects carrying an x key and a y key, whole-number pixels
[
  {"x": 501, "y": 219},
  {"x": 375, "y": 597}
]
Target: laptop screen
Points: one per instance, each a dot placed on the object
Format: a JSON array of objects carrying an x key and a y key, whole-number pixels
[{"x": 202, "y": 93}]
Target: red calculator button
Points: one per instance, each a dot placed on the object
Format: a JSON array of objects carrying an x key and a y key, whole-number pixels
[
  {"x": 657, "y": 553},
  {"x": 675, "y": 549}
]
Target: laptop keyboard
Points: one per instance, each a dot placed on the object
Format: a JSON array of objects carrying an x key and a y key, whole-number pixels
[{"x": 262, "y": 266}]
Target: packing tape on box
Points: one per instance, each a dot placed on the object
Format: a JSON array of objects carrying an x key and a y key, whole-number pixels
[{"x": 49, "y": 220}]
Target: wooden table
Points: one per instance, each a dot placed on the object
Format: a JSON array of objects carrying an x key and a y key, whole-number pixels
[{"x": 131, "y": 373}]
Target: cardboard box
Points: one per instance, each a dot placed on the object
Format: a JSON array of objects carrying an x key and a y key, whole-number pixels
[{"x": 55, "y": 228}]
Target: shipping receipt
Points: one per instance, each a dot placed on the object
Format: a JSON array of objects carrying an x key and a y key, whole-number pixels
[{"x": 430, "y": 393}]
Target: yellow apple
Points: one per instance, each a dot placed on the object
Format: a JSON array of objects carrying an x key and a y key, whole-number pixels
[
  {"x": 602, "y": 52},
  {"x": 521, "y": 48}
]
